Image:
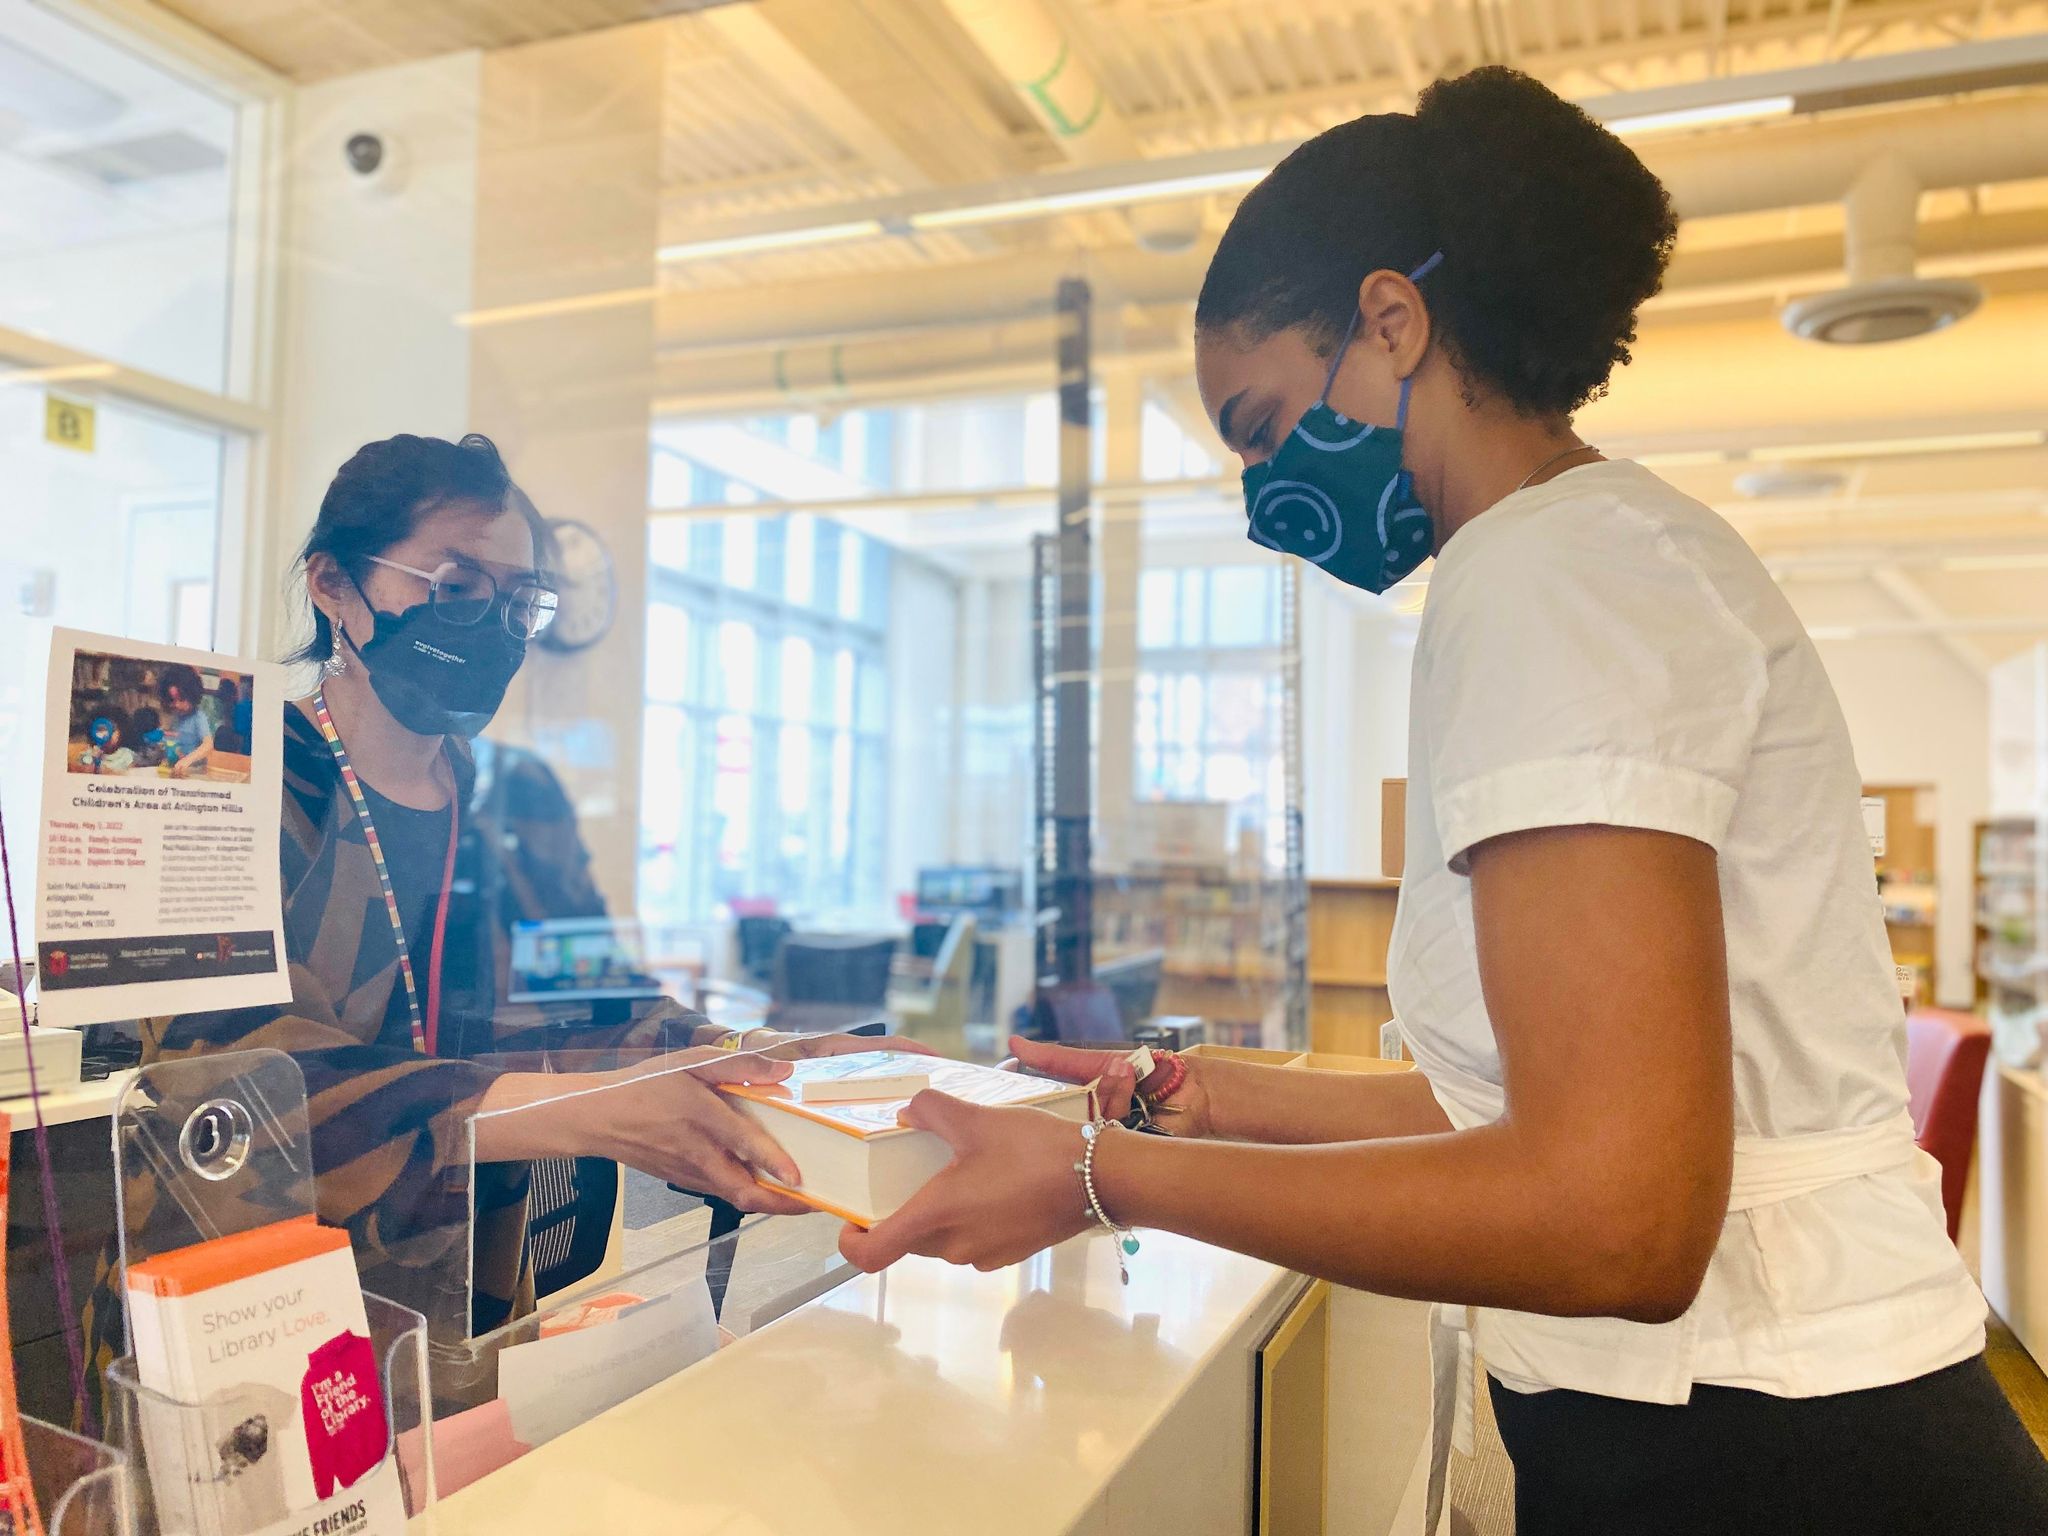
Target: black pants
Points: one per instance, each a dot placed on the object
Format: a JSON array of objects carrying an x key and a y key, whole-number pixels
[{"x": 1941, "y": 1454}]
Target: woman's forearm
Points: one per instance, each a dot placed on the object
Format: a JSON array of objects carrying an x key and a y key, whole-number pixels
[
  {"x": 1471, "y": 1216},
  {"x": 1249, "y": 1102},
  {"x": 526, "y": 1115}
]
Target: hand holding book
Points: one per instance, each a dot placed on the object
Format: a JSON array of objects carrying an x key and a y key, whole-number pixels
[{"x": 1009, "y": 1192}]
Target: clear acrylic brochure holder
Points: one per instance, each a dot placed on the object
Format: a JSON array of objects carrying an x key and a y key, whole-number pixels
[
  {"x": 665, "y": 1295},
  {"x": 82, "y": 1487},
  {"x": 205, "y": 1147}
]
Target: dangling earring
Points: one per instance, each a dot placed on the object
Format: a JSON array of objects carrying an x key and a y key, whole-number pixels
[{"x": 337, "y": 660}]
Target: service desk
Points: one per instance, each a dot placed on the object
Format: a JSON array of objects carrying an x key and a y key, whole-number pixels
[{"x": 1042, "y": 1399}]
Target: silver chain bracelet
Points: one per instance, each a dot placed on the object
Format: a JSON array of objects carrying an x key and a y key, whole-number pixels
[{"x": 1127, "y": 1240}]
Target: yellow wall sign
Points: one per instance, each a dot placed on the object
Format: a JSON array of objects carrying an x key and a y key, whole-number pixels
[{"x": 67, "y": 423}]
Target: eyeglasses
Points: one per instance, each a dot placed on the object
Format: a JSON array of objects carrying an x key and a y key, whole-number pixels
[{"x": 463, "y": 594}]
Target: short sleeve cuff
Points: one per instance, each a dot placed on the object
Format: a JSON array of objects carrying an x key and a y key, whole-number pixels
[{"x": 1582, "y": 791}]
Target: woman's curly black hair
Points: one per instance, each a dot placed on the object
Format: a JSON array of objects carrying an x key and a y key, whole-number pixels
[{"x": 1553, "y": 234}]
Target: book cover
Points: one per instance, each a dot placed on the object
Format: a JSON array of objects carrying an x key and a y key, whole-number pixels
[
  {"x": 856, "y": 1162},
  {"x": 877, "y": 1117},
  {"x": 271, "y": 1418}
]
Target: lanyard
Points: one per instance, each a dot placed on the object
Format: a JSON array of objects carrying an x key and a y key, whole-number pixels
[{"x": 424, "y": 1037}]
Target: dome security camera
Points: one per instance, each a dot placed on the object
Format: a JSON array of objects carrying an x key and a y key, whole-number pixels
[
  {"x": 365, "y": 152},
  {"x": 373, "y": 161}
]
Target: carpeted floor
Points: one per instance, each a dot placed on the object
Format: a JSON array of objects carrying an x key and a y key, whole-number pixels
[{"x": 1483, "y": 1485}]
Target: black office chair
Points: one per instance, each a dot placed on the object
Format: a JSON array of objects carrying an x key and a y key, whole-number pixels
[
  {"x": 569, "y": 1218},
  {"x": 760, "y": 941},
  {"x": 825, "y": 982},
  {"x": 1133, "y": 980}
]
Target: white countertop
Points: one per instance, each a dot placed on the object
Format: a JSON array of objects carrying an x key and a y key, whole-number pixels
[{"x": 1007, "y": 1400}]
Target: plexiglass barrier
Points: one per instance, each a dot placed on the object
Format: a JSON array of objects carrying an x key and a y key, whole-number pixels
[
  {"x": 666, "y": 1275},
  {"x": 214, "y": 1158},
  {"x": 81, "y": 1486}
]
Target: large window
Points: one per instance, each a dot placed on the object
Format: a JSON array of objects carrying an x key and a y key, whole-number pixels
[
  {"x": 1209, "y": 705},
  {"x": 762, "y": 773},
  {"x": 116, "y": 200}
]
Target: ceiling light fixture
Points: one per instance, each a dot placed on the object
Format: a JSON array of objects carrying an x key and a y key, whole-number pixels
[
  {"x": 1993, "y": 562},
  {"x": 1719, "y": 114},
  {"x": 569, "y": 304},
  {"x": 1122, "y": 195},
  {"x": 62, "y": 373},
  {"x": 771, "y": 240},
  {"x": 1685, "y": 458},
  {"x": 1891, "y": 447}
]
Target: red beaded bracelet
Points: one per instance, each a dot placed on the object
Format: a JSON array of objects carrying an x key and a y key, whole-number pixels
[{"x": 1177, "y": 1071}]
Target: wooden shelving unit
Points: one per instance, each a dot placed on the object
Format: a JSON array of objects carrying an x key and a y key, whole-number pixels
[
  {"x": 1905, "y": 880},
  {"x": 1350, "y": 924},
  {"x": 2008, "y": 884},
  {"x": 1223, "y": 936}
]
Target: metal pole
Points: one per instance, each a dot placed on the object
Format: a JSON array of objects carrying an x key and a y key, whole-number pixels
[{"x": 1073, "y": 755}]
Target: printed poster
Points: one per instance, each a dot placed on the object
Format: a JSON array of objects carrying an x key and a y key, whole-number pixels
[{"x": 158, "y": 886}]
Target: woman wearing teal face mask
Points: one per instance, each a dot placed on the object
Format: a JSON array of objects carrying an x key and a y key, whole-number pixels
[{"x": 1657, "y": 1149}]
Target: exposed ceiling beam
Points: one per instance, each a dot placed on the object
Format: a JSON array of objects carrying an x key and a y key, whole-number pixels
[
  {"x": 1915, "y": 601},
  {"x": 1744, "y": 45},
  {"x": 750, "y": 32}
]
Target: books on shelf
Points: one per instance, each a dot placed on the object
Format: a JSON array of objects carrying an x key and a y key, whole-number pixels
[
  {"x": 269, "y": 1416},
  {"x": 855, "y": 1161}
]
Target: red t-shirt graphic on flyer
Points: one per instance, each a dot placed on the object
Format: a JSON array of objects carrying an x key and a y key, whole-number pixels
[{"x": 342, "y": 1406}]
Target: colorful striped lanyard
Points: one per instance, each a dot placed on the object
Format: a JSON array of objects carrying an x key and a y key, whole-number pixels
[{"x": 424, "y": 1036}]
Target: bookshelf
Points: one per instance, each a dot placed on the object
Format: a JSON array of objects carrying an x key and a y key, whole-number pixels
[
  {"x": 1905, "y": 880},
  {"x": 2007, "y": 896},
  {"x": 1223, "y": 938},
  {"x": 1350, "y": 924}
]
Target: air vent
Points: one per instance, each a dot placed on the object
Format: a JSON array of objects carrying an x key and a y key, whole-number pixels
[
  {"x": 146, "y": 158},
  {"x": 1891, "y": 309},
  {"x": 1776, "y": 484},
  {"x": 43, "y": 94},
  {"x": 1883, "y": 300}
]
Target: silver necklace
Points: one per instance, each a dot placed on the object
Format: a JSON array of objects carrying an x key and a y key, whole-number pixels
[{"x": 1554, "y": 458}]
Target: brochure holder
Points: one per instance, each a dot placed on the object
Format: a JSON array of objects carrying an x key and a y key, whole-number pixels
[
  {"x": 205, "y": 1147},
  {"x": 82, "y": 1487}
]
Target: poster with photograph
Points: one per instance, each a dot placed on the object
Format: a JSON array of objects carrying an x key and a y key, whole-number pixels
[{"x": 158, "y": 886}]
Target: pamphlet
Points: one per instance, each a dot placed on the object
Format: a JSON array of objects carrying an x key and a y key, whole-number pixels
[
  {"x": 158, "y": 884},
  {"x": 271, "y": 1418}
]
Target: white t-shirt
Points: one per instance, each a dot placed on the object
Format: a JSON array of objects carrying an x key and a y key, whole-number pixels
[{"x": 1601, "y": 649}]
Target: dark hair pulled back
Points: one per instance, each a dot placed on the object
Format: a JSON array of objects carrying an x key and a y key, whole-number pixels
[{"x": 1553, "y": 235}]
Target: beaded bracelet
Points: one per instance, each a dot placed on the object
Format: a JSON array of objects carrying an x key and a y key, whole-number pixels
[{"x": 1126, "y": 1239}]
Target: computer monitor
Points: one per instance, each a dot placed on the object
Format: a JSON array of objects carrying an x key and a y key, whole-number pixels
[
  {"x": 986, "y": 892},
  {"x": 578, "y": 959}
]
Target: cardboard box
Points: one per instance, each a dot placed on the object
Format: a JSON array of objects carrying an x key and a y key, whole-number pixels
[{"x": 1393, "y": 827}]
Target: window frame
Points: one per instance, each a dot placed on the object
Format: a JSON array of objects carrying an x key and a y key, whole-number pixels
[{"x": 707, "y": 603}]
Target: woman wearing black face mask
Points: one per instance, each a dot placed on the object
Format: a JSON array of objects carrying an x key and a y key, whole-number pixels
[{"x": 425, "y": 573}]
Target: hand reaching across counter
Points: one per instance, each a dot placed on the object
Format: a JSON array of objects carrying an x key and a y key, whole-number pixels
[{"x": 664, "y": 1117}]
